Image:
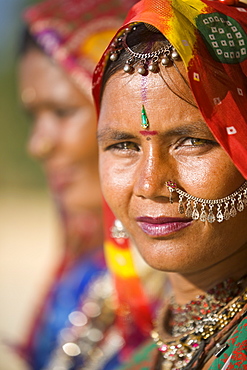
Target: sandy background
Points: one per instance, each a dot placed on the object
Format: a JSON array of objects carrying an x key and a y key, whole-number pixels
[{"x": 28, "y": 252}]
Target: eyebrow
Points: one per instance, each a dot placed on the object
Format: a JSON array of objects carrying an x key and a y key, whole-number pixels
[
  {"x": 111, "y": 134},
  {"x": 190, "y": 129},
  {"x": 195, "y": 128}
]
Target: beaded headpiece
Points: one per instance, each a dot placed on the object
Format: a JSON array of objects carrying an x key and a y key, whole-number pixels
[{"x": 145, "y": 62}]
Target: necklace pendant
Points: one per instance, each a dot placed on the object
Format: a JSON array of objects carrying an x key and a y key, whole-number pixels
[
  {"x": 226, "y": 212},
  {"x": 203, "y": 216},
  {"x": 181, "y": 207},
  {"x": 245, "y": 199},
  {"x": 219, "y": 215},
  {"x": 240, "y": 206},
  {"x": 233, "y": 211},
  {"x": 145, "y": 122},
  {"x": 211, "y": 216},
  {"x": 195, "y": 213},
  {"x": 188, "y": 212}
]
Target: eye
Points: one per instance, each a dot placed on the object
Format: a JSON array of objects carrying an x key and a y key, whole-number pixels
[
  {"x": 192, "y": 146},
  {"x": 64, "y": 112},
  {"x": 124, "y": 147},
  {"x": 196, "y": 142}
]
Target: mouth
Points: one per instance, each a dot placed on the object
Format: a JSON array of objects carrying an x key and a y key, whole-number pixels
[
  {"x": 162, "y": 226},
  {"x": 60, "y": 181}
]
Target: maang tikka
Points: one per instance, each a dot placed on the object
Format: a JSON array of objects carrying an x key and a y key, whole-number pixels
[
  {"x": 145, "y": 121},
  {"x": 210, "y": 210},
  {"x": 145, "y": 62}
]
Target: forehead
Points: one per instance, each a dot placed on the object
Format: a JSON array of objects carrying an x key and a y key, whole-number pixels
[
  {"x": 47, "y": 80},
  {"x": 165, "y": 100}
]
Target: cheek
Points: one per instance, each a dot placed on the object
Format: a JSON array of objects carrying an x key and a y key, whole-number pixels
[{"x": 202, "y": 178}]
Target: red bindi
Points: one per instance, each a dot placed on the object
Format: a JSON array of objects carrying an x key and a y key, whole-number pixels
[{"x": 147, "y": 133}]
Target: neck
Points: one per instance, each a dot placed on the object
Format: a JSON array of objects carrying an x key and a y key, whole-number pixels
[{"x": 187, "y": 286}]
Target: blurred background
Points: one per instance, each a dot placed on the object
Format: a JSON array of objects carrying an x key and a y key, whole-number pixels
[{"x": 28, "y": 230}]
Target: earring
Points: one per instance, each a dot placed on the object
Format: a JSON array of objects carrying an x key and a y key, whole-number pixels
[
  {"x": 210, "y": 210},
  {"x": 118, "y": 231}
]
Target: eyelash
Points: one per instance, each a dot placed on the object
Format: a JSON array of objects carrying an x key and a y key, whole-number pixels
[
  {"x": 193, "y": 144},
  {"x": 122, "y": 146},
  {"x": 130, "y": 146},
  {"x": 64, "y": 112}
]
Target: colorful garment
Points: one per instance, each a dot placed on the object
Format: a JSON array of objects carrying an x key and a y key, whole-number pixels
[
  {"x": 234, "y": 357},
  {"x": 64, "y": 297}
]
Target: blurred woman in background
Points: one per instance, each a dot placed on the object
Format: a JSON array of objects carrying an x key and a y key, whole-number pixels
[{"x": 62, "y": 44}]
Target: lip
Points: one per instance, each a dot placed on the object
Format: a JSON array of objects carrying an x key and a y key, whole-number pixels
[
  {"x": 162, "y": 226},
  {"x": 60, "y": 180},
  {"x": 59, "y": 183}
]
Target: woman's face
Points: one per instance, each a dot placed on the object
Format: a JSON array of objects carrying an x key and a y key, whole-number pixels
[
  {"x": 136, "y": 163},
  {"x": 63, "y": 133}
]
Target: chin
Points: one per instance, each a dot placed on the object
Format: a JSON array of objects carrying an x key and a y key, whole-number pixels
[
  {"x": 164, "y": 256},
  {"x": 65, "y": 206},
  {"x": 72, "y": 208}
]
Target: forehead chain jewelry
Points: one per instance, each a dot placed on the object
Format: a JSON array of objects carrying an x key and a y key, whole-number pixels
[
  {"x": 210, "y": 210},
  {"x": 145, "y": 62}
]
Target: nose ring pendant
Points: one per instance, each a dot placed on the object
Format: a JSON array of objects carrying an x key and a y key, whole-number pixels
[
  {"x": 171, "y": 185},
  {"x": 210, "y": 210}
]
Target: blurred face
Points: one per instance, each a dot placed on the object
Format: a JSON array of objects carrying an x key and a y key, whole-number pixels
[
  {"x": 135, "y": 164},
  {"x": 63, "y": 135},
  {"x": 63, "y": 131}
]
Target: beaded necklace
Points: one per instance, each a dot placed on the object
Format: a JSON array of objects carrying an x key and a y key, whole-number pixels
[{"x": 183, "y": 331}]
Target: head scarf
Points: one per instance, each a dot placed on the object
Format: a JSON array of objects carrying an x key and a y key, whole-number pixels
[
  {"x": 212, "y": 42},
  {"x": 74, "y": 33}
]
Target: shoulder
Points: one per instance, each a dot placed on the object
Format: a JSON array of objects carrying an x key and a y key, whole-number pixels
[{"x": 235, "y": 356}]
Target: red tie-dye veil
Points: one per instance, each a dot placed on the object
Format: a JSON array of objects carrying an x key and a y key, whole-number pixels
[{"x": 211, "y": 39}]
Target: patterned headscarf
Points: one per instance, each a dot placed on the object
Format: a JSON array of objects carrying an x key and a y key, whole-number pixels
[
  {"x": 75, "y": 33},
  {"x": 211, "y": 39}
]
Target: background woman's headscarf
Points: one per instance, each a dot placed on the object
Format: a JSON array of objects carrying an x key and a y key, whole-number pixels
[{"x": 75, "y": 33}]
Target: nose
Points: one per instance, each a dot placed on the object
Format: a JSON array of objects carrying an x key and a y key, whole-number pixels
[
  {"x": 152, "y": 173},
  {"x": 42, "y": 140}
]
